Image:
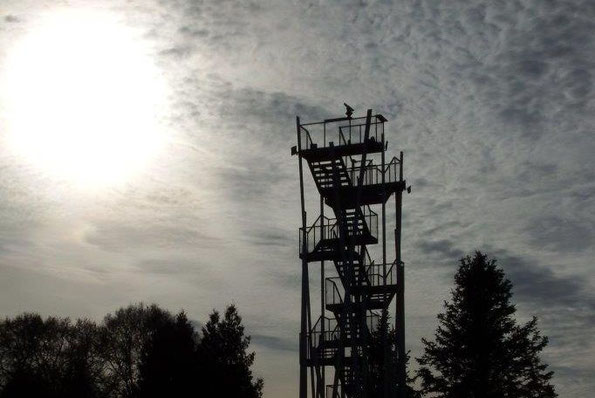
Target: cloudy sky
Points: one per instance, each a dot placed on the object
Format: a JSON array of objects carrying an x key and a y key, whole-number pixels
[{"x": 144, "y": 155}]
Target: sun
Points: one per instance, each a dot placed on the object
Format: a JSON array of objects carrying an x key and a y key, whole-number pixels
[{"x": 82, "y": 98}]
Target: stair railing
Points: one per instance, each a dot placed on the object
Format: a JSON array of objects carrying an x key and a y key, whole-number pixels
[
  {"x": 373, "y": 173},
  {"x": 331, "y": 334},
  {"x": 333, "y": 295},
  {"x": 376, "y": 276},
  {"x": 317, "y": 232},
  {"x": 370, "y": 221}
]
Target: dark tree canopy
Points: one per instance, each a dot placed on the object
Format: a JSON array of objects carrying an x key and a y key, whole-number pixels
[
  {"x": 224, "y": 345},
  {"x": 138, "y": 352},
  {"x": 126, "y": 337},
  {"x": 383, "y": 360},
  {"x": 48, "y": 358},
  {"x": 169, "y": 363},
  {"x": 479, "y": 350}
]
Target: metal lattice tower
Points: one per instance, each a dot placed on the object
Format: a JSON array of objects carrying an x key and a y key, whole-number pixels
[{"x": 342, "y": 155}]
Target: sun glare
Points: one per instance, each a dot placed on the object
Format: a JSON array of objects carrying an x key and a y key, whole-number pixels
[{"x": 82, "y": 98}]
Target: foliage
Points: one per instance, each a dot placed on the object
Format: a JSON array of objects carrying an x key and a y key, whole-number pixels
[
  {"x": 378, "y": 354},
  {"x": 125, "y": 336},
  {"x": 169, "y": 365},
  {"x": 224, "y": 345},
  {"x": 479, "y": 350},
  {"x": 138, "y": 352},
  {"x": 48, "y": 358}
]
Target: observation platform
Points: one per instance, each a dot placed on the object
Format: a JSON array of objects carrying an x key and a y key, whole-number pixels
[{"x": 332, "y": 151}]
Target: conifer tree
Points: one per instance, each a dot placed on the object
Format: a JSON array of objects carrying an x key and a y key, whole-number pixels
[
  {"x": 226, "y": 363},
  {"x": 383, "y": 357},
  {"x": 480, "y": 351}
]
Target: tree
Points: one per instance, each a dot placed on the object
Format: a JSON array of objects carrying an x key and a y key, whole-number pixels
[
  {"x": 479, "y": 350},
  {"x": 138, "y": 352},
  {"x": 169, "y": 364},
  {"x": 84, "y": 371},
  {"x": 378, "y": 354},
  {"x": 225, "y": 364},
  {"x": 47, "y": 358},
  {"x": 382, "y": 359},
  {"x": 127, "y": 339}
]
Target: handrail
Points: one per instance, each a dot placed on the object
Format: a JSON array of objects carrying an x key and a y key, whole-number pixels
[
  {"x": 309, "y": 142},
  {"x": 354, "y": 129},
  {"x": 348, "y": 131},
  {"x": 373, "y": 173},
  {"x": 370, "y": 218},
  {"x": 372, "y": 321},
  {"x": 376, "y": 276},
  {"x": 331, "y": 331},
  {"x": 318, "y": 231},
  {"x": 332, "y": 293}
]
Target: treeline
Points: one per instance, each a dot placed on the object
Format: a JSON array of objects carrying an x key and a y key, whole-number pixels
[
  {"x": 137, "y": 352},
  {"x": 479, "y": 350}
]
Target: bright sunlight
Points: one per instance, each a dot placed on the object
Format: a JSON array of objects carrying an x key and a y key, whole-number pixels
[{"x": 82, "y": 98}]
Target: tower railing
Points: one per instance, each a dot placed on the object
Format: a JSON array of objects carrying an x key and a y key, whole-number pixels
[
  {"x": 376, "y": 275},
  {"x": 331, "y": 332},
  {"x": 372, "y": 321},
  {"x": 373, "y": 173},
  {"x": 325, "y": 228},
  {"x": 342, "y": 131},
  {"x": 354, "y": 133},
  {"x": 333, "y": 294},
  {"x": 370, "y": 220}
]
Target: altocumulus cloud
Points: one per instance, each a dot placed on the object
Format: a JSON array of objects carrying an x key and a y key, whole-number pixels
[{"x": 491, "y": 101}]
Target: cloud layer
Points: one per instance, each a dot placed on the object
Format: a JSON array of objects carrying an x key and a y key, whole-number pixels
[{"x": 491, "y": 101}]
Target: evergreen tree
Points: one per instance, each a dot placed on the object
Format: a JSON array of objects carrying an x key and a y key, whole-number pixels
[
  {"x": 225, "y": 363},
  {"x": 480, "y": 351},
  {"x": 383, "y": 356}
]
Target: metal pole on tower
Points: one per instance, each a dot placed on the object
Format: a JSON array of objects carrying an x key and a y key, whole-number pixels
[{"x": 400, "y": 305}]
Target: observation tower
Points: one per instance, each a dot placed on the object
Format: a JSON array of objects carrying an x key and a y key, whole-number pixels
[{"x": 354, "y": 183}]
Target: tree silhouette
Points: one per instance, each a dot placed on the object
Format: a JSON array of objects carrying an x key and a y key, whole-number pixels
[
  {"x": 383, "y": 360},
  {"x": 225, "y": 364},
  {"x": 83, "y": 374},
  {"x": 480, "y": 351},
  {"x": 138, "y": 352},
  {"x": 169, "y": 363},
  {"x": 123, "y": 338},
  {"x": 50, "y": 358}
]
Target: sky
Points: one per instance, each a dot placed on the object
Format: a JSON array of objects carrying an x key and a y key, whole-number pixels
[{"x": 145, "y": 156}]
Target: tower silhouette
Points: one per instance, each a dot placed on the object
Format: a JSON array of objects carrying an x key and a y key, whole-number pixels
[{"x": 342, "y": 155}]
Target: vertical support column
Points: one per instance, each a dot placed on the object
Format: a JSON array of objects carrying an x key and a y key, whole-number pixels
[
  {"x": 322, "y": 382},
  {"x": 385, "y": 365},
  {"x": 400, "y": 305},
  {"x": 303, "y": 389}
]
